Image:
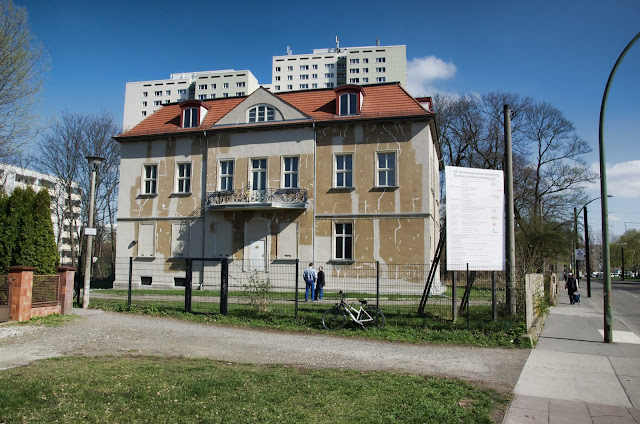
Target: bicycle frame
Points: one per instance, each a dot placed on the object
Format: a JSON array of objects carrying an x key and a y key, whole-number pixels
[{"x": 361, "y": 315}]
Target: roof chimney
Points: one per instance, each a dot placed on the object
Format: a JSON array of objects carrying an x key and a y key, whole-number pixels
[
  {"x": 377, "y": 43},
  {"x": 337, "y": 44}
]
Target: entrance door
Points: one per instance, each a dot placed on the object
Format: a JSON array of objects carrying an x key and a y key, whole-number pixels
[{"x": 256, "y": 255}]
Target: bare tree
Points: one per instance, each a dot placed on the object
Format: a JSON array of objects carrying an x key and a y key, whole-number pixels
[
  {"x": 22, "y": 65},
  {"x": 62, "y": 152}
]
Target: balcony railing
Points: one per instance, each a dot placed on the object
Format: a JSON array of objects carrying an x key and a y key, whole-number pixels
[{"x": 248, "y": 198}]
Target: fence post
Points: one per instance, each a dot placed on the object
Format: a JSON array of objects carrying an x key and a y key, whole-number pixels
[
  {"x": 187, "y": 285},
  {"x": 494, "y": 307},
  {"x": 377, "y": 284},
  {"x": 297, "y": 282},
  {"x": 468, "y": 291},
  {"x": 454, "y": 297},
  {"x": 130, "y": 281},
  {"x": 224, "y": 286},
  {"x": 65, "y": 295},
  {"x": 21, "y": 280}
]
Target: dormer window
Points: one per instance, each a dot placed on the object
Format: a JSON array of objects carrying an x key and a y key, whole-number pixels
[
  {"x": 261, "y": 113},
  {"x": 193, "y": 113},
  {"x": 349, "y": 100},
  {"x": 190, "y": 117}
]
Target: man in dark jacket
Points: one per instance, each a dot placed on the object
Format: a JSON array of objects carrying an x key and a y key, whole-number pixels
[{"x": 572, "y": 286}]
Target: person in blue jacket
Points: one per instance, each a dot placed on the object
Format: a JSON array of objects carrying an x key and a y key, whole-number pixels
[{"x": 309, "y": 276}]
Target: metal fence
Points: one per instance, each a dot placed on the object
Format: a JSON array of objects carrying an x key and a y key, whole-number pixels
[
  {"x": 45, "y": 290},
  {"x": 247, "y": 288}
]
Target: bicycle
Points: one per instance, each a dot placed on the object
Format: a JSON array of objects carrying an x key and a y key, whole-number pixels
[{"x": 335, "y": 317}]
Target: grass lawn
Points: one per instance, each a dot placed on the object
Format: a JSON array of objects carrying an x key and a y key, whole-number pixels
[
  {"x": 178, "y": 390},
  {"x": 401, "y": 326}
]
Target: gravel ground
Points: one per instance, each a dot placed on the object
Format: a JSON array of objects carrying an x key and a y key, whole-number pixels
[{"x": 105, "y": 333}]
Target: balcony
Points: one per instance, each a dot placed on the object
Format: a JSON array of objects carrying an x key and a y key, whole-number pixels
[{"x": 247, "y": 198}]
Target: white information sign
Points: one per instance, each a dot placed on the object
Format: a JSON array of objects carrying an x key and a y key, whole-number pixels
[
  {"x": 90, "y": 231},
  {"x": 581, "y": 254},
  {"x": 475, "y": 219}
]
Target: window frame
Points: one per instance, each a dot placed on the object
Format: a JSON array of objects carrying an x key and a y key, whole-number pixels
[
  {"x": 266, "y": 112},
  {"x": 350, "y": 104},
  {"x": 186, "y": 180},
  {"x": 226, "y": 177},
  {"x": 151, "y": 179},
  {"x": 196, "y": 112},
  {"x": 264, "y": 170},
  {"x": 344, "y": 236},
  {"x": 387, "y": 169},
  {"x": 291, "y": 172},
  {"x": 343, "y": 171}
]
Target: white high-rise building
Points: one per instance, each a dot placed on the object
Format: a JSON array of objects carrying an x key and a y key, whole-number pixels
[
  {"x": 142, "y": 98},
  {"x": 65, "y": 212},
  {"x": 326, "y": 68}
]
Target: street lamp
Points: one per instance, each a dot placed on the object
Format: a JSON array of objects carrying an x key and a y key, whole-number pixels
[
  {"x": 94, "y": 163},
  {"x": 606, "y": 286},
  {"x": 586, "y": 243}
]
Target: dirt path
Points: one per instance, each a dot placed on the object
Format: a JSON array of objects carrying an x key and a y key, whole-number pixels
[{"x": 99, "y": 333}]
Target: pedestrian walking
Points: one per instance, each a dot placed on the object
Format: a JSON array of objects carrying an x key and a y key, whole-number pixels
[
  {"x": 572, "y": 287},
  {"x": 319, "y": 284},
  {"x": 309, "y": 276}
]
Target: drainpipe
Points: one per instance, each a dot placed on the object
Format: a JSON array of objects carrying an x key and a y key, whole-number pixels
[
  {"x": 313, "y": 233},
  {"x": 204, "y": 192}
]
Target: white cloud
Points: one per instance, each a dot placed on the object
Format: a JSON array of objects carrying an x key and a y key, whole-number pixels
[
  {"x": 623, "y": 179},
  {"x": 423, "y": 71}
]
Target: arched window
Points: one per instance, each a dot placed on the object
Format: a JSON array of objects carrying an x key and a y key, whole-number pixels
[{"x": 261, "y": 113}]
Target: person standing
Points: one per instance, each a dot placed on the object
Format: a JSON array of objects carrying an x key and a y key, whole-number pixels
[
  {"x": 309, "y": 276},
  {"x": 319, "y": 284},
  {"x": 572, "y": 286}
]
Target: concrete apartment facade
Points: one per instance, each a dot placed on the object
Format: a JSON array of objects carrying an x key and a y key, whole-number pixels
[
  {"x": 339, "y": 175},
  {"x": 142, "y": 98},
  {"x": 65, "y": 212},
  {"x": 328, "y": 68}
]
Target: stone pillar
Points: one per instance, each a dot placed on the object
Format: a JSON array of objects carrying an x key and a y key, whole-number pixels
[
  {"x": 21, "y": 279},
  {"x": 65, "y": 294}
]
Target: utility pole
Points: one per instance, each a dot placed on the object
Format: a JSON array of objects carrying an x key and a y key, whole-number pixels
[
  {"x": 510, "y": 260},
  {"x": 575, "y": 242},
  {"x": 587, "y": 252}
]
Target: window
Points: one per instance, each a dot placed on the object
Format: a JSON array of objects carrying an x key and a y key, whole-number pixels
[
  {"x": 365, "y": 80},
  {"x": 202, "y": 96},
  {"x": 225, "y": 94},
  {"x": 328, "y": 65},
  {"x": 354, "y": 71},
  {"x": 213, "y": 86},
  {"x": 144, "y": 113},
  {"x": 386, "y": 169},
  {"x": 144, "y": 104},
  {"x": 381, "y": 69},
  {"x": 278, "y": 78},
  {"x": 157, "y": 102},
  {"x": 167, "y": 92},
  {"x": 289, "y": 68},
  {"x": 226, "y": 175},
  {"x": 277, "y": 69},
  {"x": 158, "y": 93},
  {"x": 348, "y": 104},
  {"x": 179, "y": 240},
  {"x": 304, "y": 67},
  {"x": 166, "y": 102},
  {"x": 261, "y": 114},
  {"x": 150, "y": 180},
  {"x": 190, "y": 118},
  {"x": 381, "y": 79},
  {"x": 344, "y": 171},
  {"x": 328, "y": 75},
  {"x": 239, "y": 93},
  {"x": 343, "y": 240},
  {"x": 314, "y": 76},
  {"x": 380, "y": 60},
  {"x": 304, "y": 77},
  {"x": 354, "y": 80},
  {"x": 212, "y": 96},
  {"x": 365, "y": 70},
  {"x": 365, "y": 60},
  {"x": 304, "y": 86},
  {"x": 202, "y": 86},
  {"x": 259, "y": 174},
  {"x": 145, "y": 94},
  {"x": 354, "y": 60},
  {"x": 315, "y": 66},
  {"x": 183, "y": 178},
  {"x": 289, "y": 87},
  {"x": 314, "y": 85},
  {"x": 225, "y": 85},
  {"x": 182, "y": 91},
  {"x": 328, "y": 84},
  {"x": 146, "y": 281},
  {"x": 277, "y": 88},
  {"x": 290, "y": 172},
  {"x": 240, "y": 84},
  {"x": 289, "y": 77}
]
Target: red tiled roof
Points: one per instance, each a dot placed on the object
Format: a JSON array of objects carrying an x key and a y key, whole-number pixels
[{"x": 385, "y": 100}]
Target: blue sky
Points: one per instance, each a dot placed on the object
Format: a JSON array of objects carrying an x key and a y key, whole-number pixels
[{"x": 556, "y": 51}]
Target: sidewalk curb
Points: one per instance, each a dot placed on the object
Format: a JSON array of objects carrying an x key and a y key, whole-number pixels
[{"x": 534, "y": 332}]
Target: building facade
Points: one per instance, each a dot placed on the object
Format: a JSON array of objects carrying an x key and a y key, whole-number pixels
[
  {"x": 338, "y": 175},
  {"x": 142, "y": 98},
  {"x": 65, "y": 209},
  {"x": 329, "y": 68}
]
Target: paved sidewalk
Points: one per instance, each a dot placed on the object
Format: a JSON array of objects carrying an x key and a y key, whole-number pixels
[{"x": 572, "y": 376}]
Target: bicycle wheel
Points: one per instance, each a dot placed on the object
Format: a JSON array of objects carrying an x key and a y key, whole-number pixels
[
  {"x": 377, "y": 318},
  {"x": 333, "y": 318}
]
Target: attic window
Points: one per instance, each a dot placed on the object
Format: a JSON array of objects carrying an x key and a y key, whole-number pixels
[
  {"x": 261, "y": 113},
  {"x": 190, "y": 117},
  {"x": 348, "y": 104}
]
